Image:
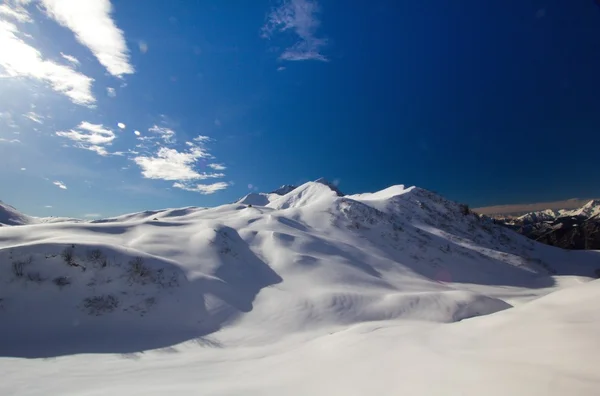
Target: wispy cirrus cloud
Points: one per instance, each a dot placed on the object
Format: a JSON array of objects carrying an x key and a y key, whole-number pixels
[
  {"x": 218, "y": 167},
  {"x": 19, "y": 59},
  {"x": 15, "y": 12},
  {"x": 204, "y": 189},
  {"x": 301, "y": 19},
  {"x": 60, "y": 184},
  {"x": 2, "y": 140},
  {"x": 91, "y": 22},
  {"x": 71, "y": 59},
  {"x": 166, "y": 134},
  {"x": 33, "y": 116},
  {"x": 88, "y": 136}
]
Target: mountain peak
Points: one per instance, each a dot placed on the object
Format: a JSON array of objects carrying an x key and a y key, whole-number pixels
[
  {"x": 326, "y": 182},
  {"x": 592, "y": 204}
]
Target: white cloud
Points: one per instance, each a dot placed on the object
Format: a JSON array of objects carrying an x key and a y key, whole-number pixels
[
  {"x": 167, "y": 134},
  {"x": 201, "y": 139},
  {"x": 92, "y": 137},
  {"x": 92, "y": 215},
  {"x": 299, "y": 17},
  {"x": 23, "y": 169},
  {"x": 218, "y": 122},
  {"x": 48, "y": 206},
  {"x": 218, "y": 167},
  {"x": 94, "y": 134},
  {"x": 281, "y": 68},
  {"x": 176, "y": 165},
  {"x": 2, "y": 140},
  {"x": 19, "y": 59},
  {"x": 137, "y": 133},
  {"x": 16, "y": 12},
  {"x": 93, "y": 27},
  {"x": 60, "y": 184},
  {"x": 111, "y": 92},
  {"x": 170, "y": 164},
  {"x": 143, "y": 47},
  {"x": 204, "y": 189},
  {"x": 34, "y": 117},
  {"x": 121, "y": 125},
  {"x": 71, "y": 59},
  {"x": 97, "y": 149}
]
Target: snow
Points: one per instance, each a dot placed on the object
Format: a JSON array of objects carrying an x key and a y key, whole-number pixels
[
  {"x": 311, "y": 293},
  {"x": 542, "y": 215},
  {"x": 11, "y": 216},
  {"x": 258, "y": 199},
  {"x": 591, "y": 209}
]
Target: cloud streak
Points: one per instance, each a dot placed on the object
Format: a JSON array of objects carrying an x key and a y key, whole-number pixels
[
  {"x": 34, "y": 117},
  {"x": 88, "y": 136},
  {"x": 217, "y": 167},
  {"x": 166, "y": 134},
  {"x": 19, "y": 59},
  {"x": 16, "y": 12},
  {"x": 91, "y": 22},
  {"x": 71, "y": 59},
  {"x": 301, "y": 18},
  {"x": 2, "y": 140},
  {"x": 60, "y": 184},
  {"x": 204, "y": 189}
]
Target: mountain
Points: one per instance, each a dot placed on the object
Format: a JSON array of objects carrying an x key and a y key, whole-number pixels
[
  {"x": 521, "y": 209},
  {"x": 286, "y": 188},
  {"x": 264, "y": 199},
  {"x": 569, "y": 229},
  {"x": 588, "y": 211},
  {"x": 11, "y": 216},
  {"x": 400, "y": 284},
  {"x": 539, "y": 216}
]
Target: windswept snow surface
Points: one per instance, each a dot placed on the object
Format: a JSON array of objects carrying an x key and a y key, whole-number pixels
[{"x": 312, "y": 293}]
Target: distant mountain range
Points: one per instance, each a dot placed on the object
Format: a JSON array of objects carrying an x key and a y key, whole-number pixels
[
  {"x": 569, "y": 229},
  {"x": 520, "y": 209}
]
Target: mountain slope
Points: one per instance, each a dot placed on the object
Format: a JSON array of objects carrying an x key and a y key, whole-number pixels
[
  {"x": 270, "y": 286},
  {"x": 11, "y": 216}
]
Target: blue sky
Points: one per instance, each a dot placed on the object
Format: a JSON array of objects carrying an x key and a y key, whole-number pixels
[{"x": 109, "y": 107}]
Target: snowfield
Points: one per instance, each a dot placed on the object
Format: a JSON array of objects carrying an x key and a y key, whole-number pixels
[{"x": 305, "y": 292}]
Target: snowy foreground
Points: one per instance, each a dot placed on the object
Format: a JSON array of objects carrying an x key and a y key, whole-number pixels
[{"x": 310, "y": 293}]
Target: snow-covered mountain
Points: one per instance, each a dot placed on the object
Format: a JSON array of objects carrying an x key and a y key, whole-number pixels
[
  {"x": 310, "y": 292},
  {"x": 536, "y": 217},
  {"x": 286, "y": 188},
  {"x": 11, "y": 216},
  {"x": 263, "y": 199},
  {"x": 589, "y": 210},
  {"x": 570, "y": 229}
]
